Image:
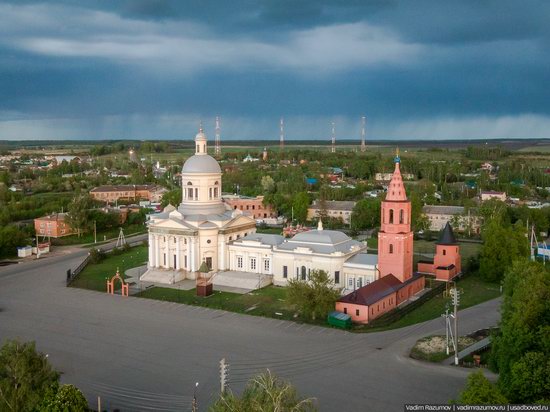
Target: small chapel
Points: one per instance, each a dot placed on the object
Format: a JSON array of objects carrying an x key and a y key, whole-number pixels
[{"x": 396, "y": 282}]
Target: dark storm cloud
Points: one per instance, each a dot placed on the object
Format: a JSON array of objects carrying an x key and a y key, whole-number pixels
[{"x": 146, "y": 66}]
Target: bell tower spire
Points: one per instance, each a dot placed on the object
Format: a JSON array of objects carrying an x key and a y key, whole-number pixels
[{"x": 395, "y": 239}]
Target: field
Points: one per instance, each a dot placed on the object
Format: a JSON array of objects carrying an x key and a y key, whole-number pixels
[{"x": 88, "y": 237}]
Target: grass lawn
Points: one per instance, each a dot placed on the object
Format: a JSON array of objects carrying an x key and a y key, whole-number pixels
[
  {"x": 474, "y": 291},
  {"x": 266, "y": 302},
  {"x": 270, "y": 230},
  {"x": 87, "y": 238},
  {"x": 95, "y": 274}
]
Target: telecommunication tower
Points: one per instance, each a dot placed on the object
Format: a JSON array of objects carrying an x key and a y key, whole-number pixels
[
  {"x": 363, "y": 133},
  {"x": 333, "y": 141},
  {"x": 218, "y": 142},
  {"x": 282, "y": 134}
]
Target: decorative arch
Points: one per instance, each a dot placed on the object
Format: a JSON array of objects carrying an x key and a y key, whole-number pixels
[{"x": 111, "y": 284}]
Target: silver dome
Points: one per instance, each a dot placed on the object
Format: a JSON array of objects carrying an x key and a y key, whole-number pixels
[{"x": 201, "y": 164}]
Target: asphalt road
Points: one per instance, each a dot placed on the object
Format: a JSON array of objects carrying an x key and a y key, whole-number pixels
[{"x": 140, "y": 354}]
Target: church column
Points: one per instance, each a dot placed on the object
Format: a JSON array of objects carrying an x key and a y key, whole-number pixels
[
  {"x": 155, "y": 251},
  {"x": 178, "y": 263},
  {"x": 150, "y": 262},
  {"x": 222, "y": 254},
  {"x": 167, "y": 250},
  {"x": 192, "y": 254}
]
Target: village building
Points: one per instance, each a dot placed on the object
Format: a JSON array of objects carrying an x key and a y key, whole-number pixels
[
  {"x": 395, "y": 280},
  {"x": 386, "y": 177},
  {"x": 491, "y": 194},
  {"x": 439, "y": 216},
  {"x": 253, "y": 206},
  {"x": 446, "y": 264},
  {"x": 54, "y": 225},
  {"x": 114, "y": 193},
  {"x": 334, "y": 209}
]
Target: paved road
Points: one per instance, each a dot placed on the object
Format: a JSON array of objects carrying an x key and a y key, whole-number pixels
[{"x": 141, "y": 354}]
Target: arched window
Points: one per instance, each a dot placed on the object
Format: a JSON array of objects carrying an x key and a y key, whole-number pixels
[
  {"x": 189, "y": 184},
  {"x": 391, "y": 215},
  {"x": 401, "y": 216},
  {"x": 391, "y": 248},
  {"x": 444, "y": 252},
  {"x": 190, "y": 193},
  {"x": 198, "y": 149},
  {"x": 304, "y": 273}
]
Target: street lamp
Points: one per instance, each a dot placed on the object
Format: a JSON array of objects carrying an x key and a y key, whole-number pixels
[{"x": 194, "y": 405}]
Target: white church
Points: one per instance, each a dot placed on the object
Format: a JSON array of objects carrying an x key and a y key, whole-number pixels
[{"x": 204, "y": 229}]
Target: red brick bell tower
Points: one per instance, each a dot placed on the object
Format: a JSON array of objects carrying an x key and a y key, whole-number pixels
[{"x": 395, "y": 239}]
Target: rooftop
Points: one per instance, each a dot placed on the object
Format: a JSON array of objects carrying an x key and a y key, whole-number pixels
[{"x": 443, "y": 210}]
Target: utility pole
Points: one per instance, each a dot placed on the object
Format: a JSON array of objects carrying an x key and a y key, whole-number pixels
[
  {"x": 363, "y": 133},
  {"x": 224, "y": 379},
  {"x": 99, "y": 404},
  {"x": 455, "y": 294},
  {"x": 95, "y": 232}
]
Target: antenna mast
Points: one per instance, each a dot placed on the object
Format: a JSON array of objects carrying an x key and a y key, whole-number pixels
[
  {"x": 333, "y": 142},
  {"x": 218, "y": 142},
  {"x": 363, "y": 133},
  {"x": 282, "y": 134}
]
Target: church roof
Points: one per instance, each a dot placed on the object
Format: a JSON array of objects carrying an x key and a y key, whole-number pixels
[
  {"x": 362, "y": 259},
  {"x": 201, "y": 164},
  {"x": 447, "y": 236},
  {"x": 265, "y": 238},
  {"x": 373, "y": 292},
  {"x": 322, "y": 241},
  {"x": 377, "y": 290},
  {"x": 396, "y": 188},
  {"x": 330, "y": 237}
]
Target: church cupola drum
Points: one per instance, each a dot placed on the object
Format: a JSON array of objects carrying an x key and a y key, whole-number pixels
[{"x": 395, "y": 239}]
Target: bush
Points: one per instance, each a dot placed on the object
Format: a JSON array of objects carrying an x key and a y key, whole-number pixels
[
  {"x": 97, "y": 255},
  {"x": 116, "y": 251},
  {"x": 126, "y": 247}
]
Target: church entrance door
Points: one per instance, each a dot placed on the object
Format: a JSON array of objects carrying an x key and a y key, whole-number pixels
[{"x": 208, "y": 261}]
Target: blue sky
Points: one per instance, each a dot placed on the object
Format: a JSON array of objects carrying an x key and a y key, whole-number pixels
[{"x": 152, "y": 69}]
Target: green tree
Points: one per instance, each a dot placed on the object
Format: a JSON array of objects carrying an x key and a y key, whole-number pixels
[
  {"x": 172, "y": 197},
  {"x": 264, "y": 393},
  {"x": 530, "y": 378},
  {"x": 314, "y": 297},
  {"x": 25, "y": 376},
  {"x": 502, "y": 244},
  {"x": 300, "y": 205},
  {"x": 479, "y": 391},
  {"x": 268, "y": 184},
  {"x": 522, "y": 345},
  {"x": 366, "y": 214},
  {"x": 65, "y": 398},
  {"x": 78, "y": 213}
]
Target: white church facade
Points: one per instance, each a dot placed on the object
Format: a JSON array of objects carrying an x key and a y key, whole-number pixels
[{"x": 203, "y": 229}]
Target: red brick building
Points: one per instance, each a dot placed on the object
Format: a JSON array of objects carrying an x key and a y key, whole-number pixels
[
  {"x": 113, "y": 193},
  {"x": 53, "y": 225},
  {"x": 446, "y": 264},
  {"x": 253, "y": 205},
  {"x": 396, "y": 282}
]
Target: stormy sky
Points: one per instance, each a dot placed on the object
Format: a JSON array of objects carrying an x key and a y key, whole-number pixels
[{"x": 152, "y": 69}]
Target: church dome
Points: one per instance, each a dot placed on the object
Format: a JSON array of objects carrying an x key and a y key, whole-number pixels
[{"x": 201, "y": 164}]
